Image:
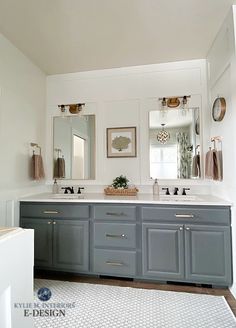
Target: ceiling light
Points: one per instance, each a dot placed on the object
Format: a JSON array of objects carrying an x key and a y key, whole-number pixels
[{"x": 163, "y": 136}]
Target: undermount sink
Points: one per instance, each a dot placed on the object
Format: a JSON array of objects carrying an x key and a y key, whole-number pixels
[
  {"x": 177, "y": 198},
  {"x": 68, "y": 196}
]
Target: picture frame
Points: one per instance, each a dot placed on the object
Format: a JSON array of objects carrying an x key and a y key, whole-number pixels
[{"x": 121, "y": 142}]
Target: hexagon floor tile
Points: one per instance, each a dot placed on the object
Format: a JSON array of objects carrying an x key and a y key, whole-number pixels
[{"x": 101, "y": 306}]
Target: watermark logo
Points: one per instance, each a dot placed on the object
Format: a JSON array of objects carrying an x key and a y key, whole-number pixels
[
  {"x": 44, "y": 294},
  {"x": 44, "y": 308}
]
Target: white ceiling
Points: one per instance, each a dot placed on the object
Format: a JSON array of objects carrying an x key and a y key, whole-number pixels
[{"x": 62, "y": 36}]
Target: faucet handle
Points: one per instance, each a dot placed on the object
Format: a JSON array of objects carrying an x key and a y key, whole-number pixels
[
  {"x": 184, "y": 191},
  {"x": 176, "y": 191},
  {"x": 79, "y": 190},
  {"x": 70, "y": 189},
  {"x": 167, "y": 191}
]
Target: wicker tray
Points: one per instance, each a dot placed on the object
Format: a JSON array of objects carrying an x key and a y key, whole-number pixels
[{"x": 121, "y": 192}]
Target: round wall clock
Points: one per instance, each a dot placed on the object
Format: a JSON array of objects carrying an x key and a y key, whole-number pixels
[{"x": 219, "y": 109}]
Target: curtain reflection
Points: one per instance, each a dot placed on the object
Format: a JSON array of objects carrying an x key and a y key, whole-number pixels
[{"x": 184, "y": 156}]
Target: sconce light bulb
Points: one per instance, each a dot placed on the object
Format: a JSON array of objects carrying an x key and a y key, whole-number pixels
[
  {"x": 184, "y": 102},
  {"x": 163, "y": 106},
  {"x": 184, "y": 105},
  {"x": 163, "y": 103}
]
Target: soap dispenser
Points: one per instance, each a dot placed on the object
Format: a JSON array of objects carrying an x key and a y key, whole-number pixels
[
  {"x": 55, "y": 187},
  {"x": 156, "y": 188}
]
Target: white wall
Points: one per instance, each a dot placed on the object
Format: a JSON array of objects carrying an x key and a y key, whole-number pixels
[
  {"x": 221, "y": 82},
  {"x": 22, "y": 120},
  {"x": 123, "y": 97}
]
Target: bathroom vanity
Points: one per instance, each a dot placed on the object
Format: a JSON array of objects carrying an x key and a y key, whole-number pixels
[{"x": 138, "y": 237}]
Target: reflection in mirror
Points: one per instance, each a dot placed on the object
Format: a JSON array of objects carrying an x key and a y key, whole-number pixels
[
  {"x": 174, "y": 141},
  {"x": 74, "y": 147}
]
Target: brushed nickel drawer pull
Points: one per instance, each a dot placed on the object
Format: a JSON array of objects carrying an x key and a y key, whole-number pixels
[
  {"x": 116, "y": 214},
  {"x": 184, "y": 215},
  {"x": 54, "y": 222},
  {"x": 49, "y": 222},
  {"x": 122, "y": 236},
  {"x": 50, "y": 212},
  {"x": 114, "y": 263}
]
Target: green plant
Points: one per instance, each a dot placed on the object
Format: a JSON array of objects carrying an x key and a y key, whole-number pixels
[{"x": 120, "y": 182}]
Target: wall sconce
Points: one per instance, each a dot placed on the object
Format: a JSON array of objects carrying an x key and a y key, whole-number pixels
[
  {"x": 180, "y": 102},
  {"x": 73, "y": 108}
]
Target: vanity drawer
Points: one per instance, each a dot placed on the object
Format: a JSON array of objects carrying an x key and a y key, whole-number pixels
[
  {"x": 115, "y": 262},
  {"x": 118, "y": 212},
  {"x": 54, "y": 210},
  {"x": 115, "y": 235},
  {"x": 201, "y": 214}
]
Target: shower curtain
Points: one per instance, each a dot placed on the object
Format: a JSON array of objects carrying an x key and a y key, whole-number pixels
[{"x": 184, "y": 156}]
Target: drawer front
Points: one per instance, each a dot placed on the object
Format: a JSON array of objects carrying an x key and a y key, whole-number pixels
[
  {"x": 54, "y": 210},
  {"x": 187, "y": 214},
  {"x": 117, "y": 212},
  {"x": 115, "y": 235},
  {"x": 115, "y": 262}
]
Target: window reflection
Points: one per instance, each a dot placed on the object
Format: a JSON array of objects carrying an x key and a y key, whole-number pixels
[{"x": 163, "y": 161}]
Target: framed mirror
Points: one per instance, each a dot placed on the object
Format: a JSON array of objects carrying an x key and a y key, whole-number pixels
[
  {"x": 74, "y": 147},
  {"x": 175, "y": 144}
]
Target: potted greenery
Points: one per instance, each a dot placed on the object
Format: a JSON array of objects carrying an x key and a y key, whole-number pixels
[
  {"x": 120, "y": 187},
  {"x": 120, "y": 182}
]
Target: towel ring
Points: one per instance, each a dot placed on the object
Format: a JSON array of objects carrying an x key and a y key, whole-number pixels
[
  {"x": 198, "y": 146},
  {"x": 58, "y": 150},
  {"x": 32, "y": 144},
  {"x": 219, "y": 140}
]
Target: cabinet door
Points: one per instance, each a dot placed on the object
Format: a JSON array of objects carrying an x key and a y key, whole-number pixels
[
  {"x": 163, "y": 251},
  {"x": 70, "y": 245},
  {"x": 208, "y": 254},
  {"x": 42, "y": 240}
]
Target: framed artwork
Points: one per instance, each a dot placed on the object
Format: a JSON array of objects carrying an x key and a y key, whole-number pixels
[{"x": 121, "y": 142}]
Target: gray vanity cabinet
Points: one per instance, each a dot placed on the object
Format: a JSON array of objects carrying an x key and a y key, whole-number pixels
[
  {"x": 163, "y": 246},
  {"x": 70, "y": 245},
  {"x": 60, "y": 244},
  {"x": 208, "y": 254},
  {"x": 61, "y": 235},
  {"x": 114, "y": 240},
  {"x": 197, "y": 249},
  {"x": 165, "y": 242},
  {"x": 42, "y": 240}
]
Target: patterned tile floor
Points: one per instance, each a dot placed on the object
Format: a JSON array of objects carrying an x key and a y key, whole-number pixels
[
  {"x": 178, "y": 310},
  {"x": 145, "y": 285},
  {"x": 103, "y": 306}
]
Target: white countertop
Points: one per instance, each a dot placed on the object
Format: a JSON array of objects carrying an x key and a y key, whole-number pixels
[{"x": 139, "y": 199}]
